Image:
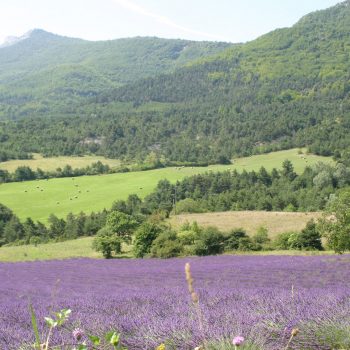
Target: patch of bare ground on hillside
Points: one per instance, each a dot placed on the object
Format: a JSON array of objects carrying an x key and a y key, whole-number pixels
[{"x": 275, "y": 222}]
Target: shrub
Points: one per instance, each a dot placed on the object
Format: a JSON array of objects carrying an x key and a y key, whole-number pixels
[
  {"x": 144, "y": 237},
  {"x": 294, "y": 241},
  {"x": 210, "y": 242},
  {"x": 189, "y": 205},
  {"x": 166, "y": 245},
  {"x": 232, "y": 239},
  {"x": 187, "y": 237},
  {"x": 35, "y": 240},
  {"x": 310, "y": 237},
  {"x": 246, "y": 244},
  {"x": 335, "y": 225},
  {"x": 107, "y": 242},
  {"x": 282, "y": 240},
  {"x": 261, "y": 236},
  {"x": 290, "y": 208},
  {"x": 188, "y": 234}
]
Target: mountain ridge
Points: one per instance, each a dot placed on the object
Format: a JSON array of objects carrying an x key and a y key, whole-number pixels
[{"x": 116, "y": 62}]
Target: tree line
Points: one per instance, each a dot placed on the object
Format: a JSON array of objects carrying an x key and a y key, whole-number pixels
[
  {"x": 26, "y": 173},
  {"x": 15, "y": 232}
]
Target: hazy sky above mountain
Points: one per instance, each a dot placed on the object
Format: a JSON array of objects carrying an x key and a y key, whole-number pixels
[{"x": 223, "y": 20}]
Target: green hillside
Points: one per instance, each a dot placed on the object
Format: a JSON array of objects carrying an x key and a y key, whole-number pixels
[
  {"x": 289, "y": 88},
  {"x": 43, "y": 66}
]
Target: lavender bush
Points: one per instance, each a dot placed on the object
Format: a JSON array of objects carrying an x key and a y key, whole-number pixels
[{"x": 260, "y": 298}]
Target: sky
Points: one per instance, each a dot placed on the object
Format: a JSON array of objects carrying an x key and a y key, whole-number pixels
[{"x": 214, "y": 20}]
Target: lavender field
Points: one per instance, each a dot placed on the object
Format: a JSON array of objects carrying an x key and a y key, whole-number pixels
[{"x": 261, "y": 298}]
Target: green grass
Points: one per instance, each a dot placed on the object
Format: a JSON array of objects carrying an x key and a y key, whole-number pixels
[
  {"x": 275, "y": 160},
  {"x": 64, "y": 250},
  {"x": 52, "y": 163},
  {"x": 81, "y": 248},
  {"x": 38, "y": 199}
]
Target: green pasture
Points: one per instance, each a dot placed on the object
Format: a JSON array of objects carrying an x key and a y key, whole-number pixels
[
  {"x": 77, "y": 248},
  {"x": 38, "y": 199},
  {"x": 275, "y": 160}
]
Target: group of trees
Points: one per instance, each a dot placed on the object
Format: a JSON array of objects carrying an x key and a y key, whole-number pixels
[
  {"x": 278, "y": 190},
  {"x": 154, "y": 238},
  {"x": 25, "y": 173},
  {"x": 13, "y": 231},
  {"x": 8, "y": 154}
]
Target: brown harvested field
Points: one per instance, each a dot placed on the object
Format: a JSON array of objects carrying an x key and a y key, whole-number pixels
[{"x": 275, "y": 222}]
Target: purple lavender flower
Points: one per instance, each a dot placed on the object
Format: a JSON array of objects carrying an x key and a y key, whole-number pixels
[
  {"x": 78, "y": 334},
  {"x": 237, "y": 341},
  {"x": 147, "y": 300}
]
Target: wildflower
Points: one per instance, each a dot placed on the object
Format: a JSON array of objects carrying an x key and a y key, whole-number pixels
[
  {"x": 238, "y": 341},
  {"x": 160, "y": 347},
  {"x": 78, "y": 334}
]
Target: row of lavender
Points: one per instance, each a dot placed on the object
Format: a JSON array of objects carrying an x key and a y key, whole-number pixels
[{"x": 147, "y": 301}]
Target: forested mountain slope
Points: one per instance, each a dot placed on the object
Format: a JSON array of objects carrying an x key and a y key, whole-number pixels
[
  {"x": 43, "y": 65},
  {"x": 288, "y": 88}
]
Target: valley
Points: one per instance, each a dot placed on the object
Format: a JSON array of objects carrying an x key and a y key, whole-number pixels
[{"x": 38, "y": 199}]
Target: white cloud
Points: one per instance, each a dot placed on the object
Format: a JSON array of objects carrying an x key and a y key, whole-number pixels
[{"x": 131, "y": 6}]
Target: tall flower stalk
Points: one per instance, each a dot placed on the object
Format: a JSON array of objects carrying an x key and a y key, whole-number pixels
[{"x": 195, "y": 300}]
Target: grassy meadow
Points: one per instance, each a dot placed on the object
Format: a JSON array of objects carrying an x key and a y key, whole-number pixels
[
  {"x": 76, "y": 248},
  {"x": 275, "y": 222},
  {"x": 81, "y": 248},
  {"x": 275, "y": 160},
  {"x": 52, "y": 163},
  {"x": 38, "y": 199}
]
